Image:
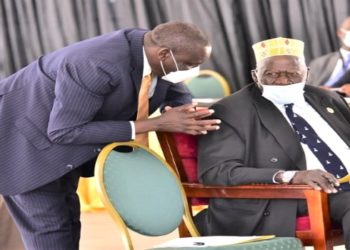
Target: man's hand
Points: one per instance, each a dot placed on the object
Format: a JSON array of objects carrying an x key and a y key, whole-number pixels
[
  {"x": 317, "y": 179},
  {"x": 185, "y": 119},
  {"x": 188, "y": 119},
  {"x": 345, "y": 89}
]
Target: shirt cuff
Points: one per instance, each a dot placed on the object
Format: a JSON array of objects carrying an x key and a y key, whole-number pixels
[
  {"x": 274, "y": 177},
  {"x": 132, "y": 124}
]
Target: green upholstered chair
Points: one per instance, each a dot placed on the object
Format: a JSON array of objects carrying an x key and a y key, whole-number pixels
[
  {"x": 208, "y": 84},
  {"x": 143, "y": 193}
]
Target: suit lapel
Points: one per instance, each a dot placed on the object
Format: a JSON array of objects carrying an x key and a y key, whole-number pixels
[
  {"x": 327, "y": 70},
  {"x": 275, "y": 122},
  {"x": 135, "y": 39},
  {"x": 330, "y": 114}
]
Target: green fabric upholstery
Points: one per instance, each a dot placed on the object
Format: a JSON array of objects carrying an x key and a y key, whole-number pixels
[
  {"x": 205, "y": 87},
  {"x": 147, "y": 197},
  {"x": 280, "y": 243},
  {"x": 143, "y": 191}
]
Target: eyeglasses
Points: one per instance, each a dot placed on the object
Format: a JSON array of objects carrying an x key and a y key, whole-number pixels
[{"x": 292, "y": 77}]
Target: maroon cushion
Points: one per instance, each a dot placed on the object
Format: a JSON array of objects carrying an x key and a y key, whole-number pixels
[
  {"x": 187, "y": 148},
  {"x": 303, "y": 223}
]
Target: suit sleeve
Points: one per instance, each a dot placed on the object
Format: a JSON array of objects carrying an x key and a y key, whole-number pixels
[
  {"x": 315, "y": 70},
  {"x": 79, "y": 94},
  {"x": 221, "y": 157},
  {"x": 177, "y": 95}
]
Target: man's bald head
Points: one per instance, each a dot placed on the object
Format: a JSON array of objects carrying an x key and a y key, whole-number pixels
[
  {"x": 179, "y": 36},
  {"x": 177, "y": 45}
]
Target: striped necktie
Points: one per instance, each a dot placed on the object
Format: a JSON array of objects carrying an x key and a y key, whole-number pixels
[
  {"x": 143, "y": 107},
  {"x": 307, "y": 135}
]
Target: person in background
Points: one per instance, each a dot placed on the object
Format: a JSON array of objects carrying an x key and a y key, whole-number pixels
[
  {"x": 276, "y": 130},
  {"x": 10, "y": 238},
  {"x": 59, "y": 111},
  {"x": 332, "y": 71}
]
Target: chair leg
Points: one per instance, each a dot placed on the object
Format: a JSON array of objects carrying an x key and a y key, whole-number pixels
[
  {"x": 183, "y": 232},
  {"x": 317, "y": 203}
]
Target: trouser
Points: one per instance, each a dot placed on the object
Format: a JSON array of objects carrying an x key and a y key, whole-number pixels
[
  {"x": 339, "y": 207},
  {"x": 48, "y": 217},
  {"x": 9, "y": 236}
]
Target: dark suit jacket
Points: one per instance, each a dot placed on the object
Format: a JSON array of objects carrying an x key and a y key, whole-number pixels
[
  {"x": 253, "y": 143},
  {"x": 322, "y": 68},
  {"x": 56, "y": 113}
]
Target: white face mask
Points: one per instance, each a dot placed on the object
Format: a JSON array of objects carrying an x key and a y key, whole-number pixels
[
  {"x": 179, "y": 75},
  {"x": 346, "y": 39},
  {"x": 284, "y": 94}
]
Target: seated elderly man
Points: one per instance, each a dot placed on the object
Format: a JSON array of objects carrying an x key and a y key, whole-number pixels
[{"x": 276, "y": 130}]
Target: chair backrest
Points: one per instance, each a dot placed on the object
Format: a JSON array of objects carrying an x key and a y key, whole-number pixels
[
  {"x": 208, "y": 84},
  {"x": 141, "y": 191},
  {"x": 180, "y": 150}
]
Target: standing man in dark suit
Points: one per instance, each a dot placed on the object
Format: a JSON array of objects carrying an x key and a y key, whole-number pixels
[
  {"x": 277, "y": 130},
  {"x": 332, "y": 71},
  {"x": 59, "y": 111}
]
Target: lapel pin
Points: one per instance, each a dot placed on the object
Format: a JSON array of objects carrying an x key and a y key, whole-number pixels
[{"x": 330, "y": 110}]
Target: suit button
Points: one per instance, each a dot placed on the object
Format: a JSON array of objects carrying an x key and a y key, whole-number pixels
[
  {"x": 266, "y": 213},
  {"x": 274, "y": 159},
  {"x": 96, "y": 150},
  {"x": 70, "y": 166}
]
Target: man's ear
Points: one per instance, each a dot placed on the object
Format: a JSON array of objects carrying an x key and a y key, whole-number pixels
[
  {"x": 163, "y": 53},
  {"x": 254, "y": 76}
]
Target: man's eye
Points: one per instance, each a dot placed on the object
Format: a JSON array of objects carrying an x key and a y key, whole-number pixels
[{"x": 271, "y": 74}]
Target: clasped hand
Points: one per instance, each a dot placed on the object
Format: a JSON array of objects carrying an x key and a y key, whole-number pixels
[{"x": 188, "y": 119}]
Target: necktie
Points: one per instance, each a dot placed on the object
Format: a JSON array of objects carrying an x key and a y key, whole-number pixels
[
  {"x": 142, "y": 108},
  {"x": 319, "y": 148},
  {"x": 340, "y": 73}
]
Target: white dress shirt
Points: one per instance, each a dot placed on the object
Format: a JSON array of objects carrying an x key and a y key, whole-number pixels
[
  {"x": 146, "y": 71},
  {"x": 323, "y": 130}
]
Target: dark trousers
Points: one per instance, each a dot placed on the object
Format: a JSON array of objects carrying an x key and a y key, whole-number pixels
[
  {"x": 339, "y": 206},
  {"x": 49, "y": 217}
]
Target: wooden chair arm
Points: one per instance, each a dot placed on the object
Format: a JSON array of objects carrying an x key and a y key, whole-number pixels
[
  {"x": 317, "y": 203},
  {"x": 256, "y": 191}
]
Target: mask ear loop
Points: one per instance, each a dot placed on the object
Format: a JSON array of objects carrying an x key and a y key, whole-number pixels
[
  {"x": 161, "y": 65},
  {"x": 172, "y": 55}
]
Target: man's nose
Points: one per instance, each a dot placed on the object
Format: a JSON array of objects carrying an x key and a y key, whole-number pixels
[{"x": 282, "y": 79}]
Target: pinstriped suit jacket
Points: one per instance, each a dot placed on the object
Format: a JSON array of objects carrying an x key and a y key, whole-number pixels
[{"x": 58, "y": 111}]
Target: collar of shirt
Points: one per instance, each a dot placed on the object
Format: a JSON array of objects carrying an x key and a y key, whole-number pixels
[
  {"x": 148, "y": 70},
  {"x": 299, "y": 102},
  {"x": 146, "y": 66},
  {"x": 344, "y": 53}
]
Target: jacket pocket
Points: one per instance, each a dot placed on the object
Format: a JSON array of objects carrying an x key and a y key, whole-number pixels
[{"x": 32, "y": 133}]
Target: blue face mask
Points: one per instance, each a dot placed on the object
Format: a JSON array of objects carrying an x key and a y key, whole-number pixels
[{"x": 179, "y": 75}]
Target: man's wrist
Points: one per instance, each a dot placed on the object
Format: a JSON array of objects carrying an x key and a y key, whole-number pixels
[{"x": 284, "y": 176}]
